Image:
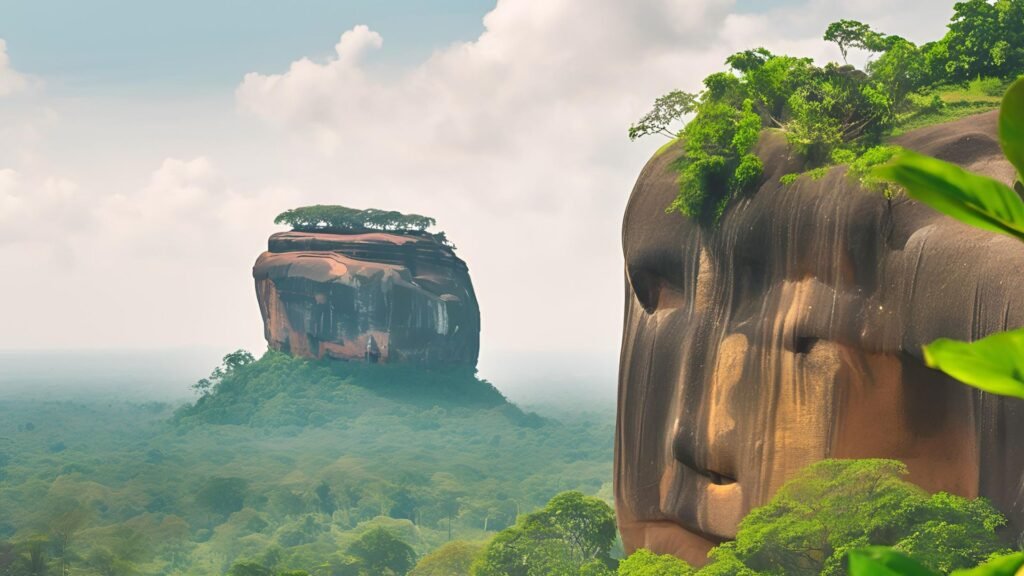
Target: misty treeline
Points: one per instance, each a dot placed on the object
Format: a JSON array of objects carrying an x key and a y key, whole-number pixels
[{"x": 283, "y": 465}]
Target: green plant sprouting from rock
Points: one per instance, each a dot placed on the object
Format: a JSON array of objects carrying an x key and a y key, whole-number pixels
[{"x": 833, "y": 114}]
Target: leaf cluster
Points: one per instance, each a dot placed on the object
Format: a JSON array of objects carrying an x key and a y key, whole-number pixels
[
  {"x": 566, "y": 537},
  {"x": 836, "y": 506},
  {"x": 344, "y": 219}
]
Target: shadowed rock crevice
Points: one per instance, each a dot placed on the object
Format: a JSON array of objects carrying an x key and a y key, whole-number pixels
[{"x": 792, "y": 332}]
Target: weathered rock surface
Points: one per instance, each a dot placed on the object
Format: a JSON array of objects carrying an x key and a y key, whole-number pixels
[
  {"x": 792, "y": 332},
  {"x": 388, "y": 297}
]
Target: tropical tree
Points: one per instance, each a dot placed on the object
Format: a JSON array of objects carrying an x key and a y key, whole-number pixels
[
  {"x": 646, "y": 563},
  {"x": 381, "y": 553},
  {"x": 65, "y": 518},
  {"x": 229, "y": 364},
  {"x": 668, "y": 110},
  {"x": 901, "y": 70},
  {"x": 838, "y": 505},
  {"x": 570, "y": 532},
  {"x": 974, "y": 41},
  {"x": 223, "y": 496},
  {"x": 452, "y": 559},
  {"x": 334, "y": 218},
  {"x": 249, "y": 568},
  {"x": 853, "y": 34}
]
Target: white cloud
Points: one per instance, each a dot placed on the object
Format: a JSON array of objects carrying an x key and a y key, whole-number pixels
[
  {"x": 189, "y": 212},
  {"x": 11, "y": 80},
  {"x": 516, "y": 141},
  {"x": 39, "y": 210}
]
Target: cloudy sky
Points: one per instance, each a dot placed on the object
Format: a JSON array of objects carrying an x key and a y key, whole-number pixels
[{"x": 146, "y": 147}]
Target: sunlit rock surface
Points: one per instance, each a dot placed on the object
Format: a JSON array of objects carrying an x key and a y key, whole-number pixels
[
  {"x": 387, "y": 297},
  {"x": 792, "y": 332}
]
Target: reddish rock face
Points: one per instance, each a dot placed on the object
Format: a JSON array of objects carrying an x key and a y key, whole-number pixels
[
  {"x": 792, "y": 332},
  {"x": 384, "y": 297}
]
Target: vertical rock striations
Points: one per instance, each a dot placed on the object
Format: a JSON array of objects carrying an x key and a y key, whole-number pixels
[
  {"x": 792, "y": 332},
  {"x": 378, "y": 296}
]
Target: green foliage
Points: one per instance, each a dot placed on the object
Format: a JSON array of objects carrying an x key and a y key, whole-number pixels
[
  {"x": 381, "y": 553},
  {"x": 327, "y": 451},
  {"x": 788, "y": 179},
  {"x": 571, "y": 532},
  {"x": 852, "y": 34},
  {"x": 984, "y": 39},
  {"x": 230, "y": 363},
  {"x": 522, "y": 551},
  {"x": 843, "y": 156},
  {"x": 1011, "y": 127},
  {"x": 280, "y": 390},
  {"x": 863, "y": 167},
  {"x": 901, "y": 71},
  {"x": 249, "y": 568},
  {"x": 718, "y": 163},
  {"x": 818, "y": 173},
  {"x": 829, "y": 112},
  {"x": 994, "y": 364},
  {"x": 223, "y": 496},
  {"x": 646, "y": 563},
  {"x": 987, "y": 86},
  {"x": 836, "y": 506},
  {"x": 452, "y": 559},
  {"x": 837, "y": 105},
  {"x": 1006, "y": 565},
  {"x": 343, "y": 219},
  {"x": 972, "y": 198},
  {"x": 848, "y": 511},
  {"x": 668, "y": 110},
  {"x": 596, "y": 568},
  {"x": 884, "y": 561}
]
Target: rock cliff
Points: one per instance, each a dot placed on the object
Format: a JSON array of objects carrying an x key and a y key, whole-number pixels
[
  {"x": 387, "y": 297},
  {"x": 792, "y": 332}
]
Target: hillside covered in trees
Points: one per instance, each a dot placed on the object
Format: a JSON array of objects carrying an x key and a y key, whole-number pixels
[{"x": 282, "y": 464}]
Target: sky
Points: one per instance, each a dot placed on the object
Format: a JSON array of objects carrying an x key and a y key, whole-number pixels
[{"x": 146, "y": 147}]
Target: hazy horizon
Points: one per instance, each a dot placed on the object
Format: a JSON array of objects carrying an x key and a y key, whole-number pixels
[{"x": 562, "y": 379}]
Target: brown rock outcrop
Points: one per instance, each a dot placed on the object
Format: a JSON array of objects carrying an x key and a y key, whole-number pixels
[
  {"x": 388, "y": 297},
  {"x": 792, "y": 332}
]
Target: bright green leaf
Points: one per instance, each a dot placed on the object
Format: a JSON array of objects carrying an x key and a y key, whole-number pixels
[
  {"x": 1011, "y": 125},
  {"x": 1010, "y": 565},
  {"x": 994, "y": 364},
  {"x": 970, "y": 198},
  {"x": 883, "y": 561}
]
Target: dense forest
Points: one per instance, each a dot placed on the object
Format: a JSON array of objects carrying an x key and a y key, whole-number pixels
[{"x": 282, "y": 464}]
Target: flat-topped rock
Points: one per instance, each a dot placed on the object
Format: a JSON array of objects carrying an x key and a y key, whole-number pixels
[{"x": 376, "y": 296}]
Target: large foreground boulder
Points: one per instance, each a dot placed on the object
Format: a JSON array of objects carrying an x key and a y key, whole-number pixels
[
  {"x": 792, "y": 332},
  {"x": 377, "y": 297}
]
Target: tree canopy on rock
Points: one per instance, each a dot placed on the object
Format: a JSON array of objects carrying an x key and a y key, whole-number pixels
[
  {"x": 832, "y": 114},
  {"x": 333, "y": 218}
]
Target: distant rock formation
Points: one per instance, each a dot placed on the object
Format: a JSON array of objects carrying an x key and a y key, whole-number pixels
[
  {"x": 376, "y": 297},
  {"x": 792, "y": 332}
]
